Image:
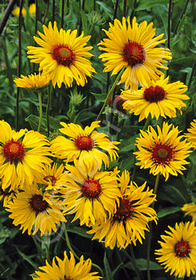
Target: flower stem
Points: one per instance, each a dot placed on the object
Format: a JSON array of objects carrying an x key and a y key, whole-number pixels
[
  {"x": 181, "y": 17},
  {"x": 48, "y": 110},
  {"x": 111, "y": 91},
  {"x": 40, "y": 110},
  {"x": 76, "y": 256},
  {"x": 150, "y": 233}
]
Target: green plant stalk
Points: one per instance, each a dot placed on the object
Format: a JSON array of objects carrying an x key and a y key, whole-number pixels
[
  {"x": 150, "y": 233},
  {"x": 9, "y": 73},
  {"x": 111, "y": 91},
  {"x": 48, "y": 110},
  {"x": 134, "y": 262},
  {"x": 40, "y": 110},
  {"x": 144, "y": 128},
  {"x": 76, "y": 256},
  {"x": 181, "y": 17}
]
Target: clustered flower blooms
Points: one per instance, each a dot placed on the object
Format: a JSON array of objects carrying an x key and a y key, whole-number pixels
[{"x": 38, "y": 193}]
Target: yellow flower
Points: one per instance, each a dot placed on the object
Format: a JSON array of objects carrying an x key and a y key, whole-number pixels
[
  {"x": 66, "y": 269},
  {"x": 32, "y": 8},
  {"x": 34, "y": 210},
  {"x": 21, "y": 153},
  {"x": 158, "y": 98},
  {"x": 191, "y": 135},
  {"x": 130, "y": 221},
  {"x": 135, "y": 48},
  {"x": 50, "y": 176},
  {"x": 190, "y": 209},
  {"x": 89, "y": 193},
  {"x": 33, "y": 81},
  {"x": 62, "y": 55},
  {"x": 178, "y": 250},
  {"x": 16, "y": 11},
  {"x": 83, "y": 143},
  {"x": 163, "y": 152}
]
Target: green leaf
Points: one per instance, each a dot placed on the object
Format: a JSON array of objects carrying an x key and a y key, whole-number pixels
[
  {"x": 108, "y": 271},
  {"x": 143, "y": 4},
  {"x": 168, "y": 211},
  {"x": 142, "y": 265}
]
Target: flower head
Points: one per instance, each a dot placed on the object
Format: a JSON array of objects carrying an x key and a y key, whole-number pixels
[
  {"x": 134, "y": 47},
  {"x": 191, "y": 135},
  {"x": 158, "y": 98},
  {"x": 33, "y": 81},
  {"x": 89, "y": 193},
  {"x": 62, "y": 55},
  {"x": 66, "y": 269},
  {"x": 35, "y": 210},
  {"x": 163, "y": 152},
  {"x": 130, "y": 220},
  {"x": 50, "y": 176},
  {"x": 190, "y": 209},
  {"x": 83, "y": 143},
  {"x": 21, "y": 153},
  {"x": 32, "y": 8},
  {"x": 16, "y": 11},
  {"x": 178, "y": 250}
]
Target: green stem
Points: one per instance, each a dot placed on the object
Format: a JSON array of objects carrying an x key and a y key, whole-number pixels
[
  {"x": 76, "y": 256},
  {"x": 144, "y": 128},
  {"x": 134, "y": 262},
  {"x": 181, "y": 17},
  {"x": 111, "y": 91},
  {"x": 40, "y": 110},
  {"x": 48, "y": 110},
  {"x": 150, "y": 233}
]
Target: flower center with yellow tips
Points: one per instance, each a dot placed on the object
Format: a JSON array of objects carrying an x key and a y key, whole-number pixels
[
  {"x": 13, "y": 151},
  {"x": 133, "y": 53},
  {"x": 182, "y": 249},
  {"x": 91, "y": 188},
  {"x": 63, "y": 55},
  {"x": 50, "y": 179},
  {"x": 162, "y": 154},
  {"x": 154, "y": 94},
  {"x": 124, "y": 210},
  {"x": 84, "y": 143},
  {"x": 38, "y": 204}
]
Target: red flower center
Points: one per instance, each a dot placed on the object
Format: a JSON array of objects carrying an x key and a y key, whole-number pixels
[
  {"x": 133, "y": 53},
  {"x": 63, "y": 55},
  {"x": 13, "y": 151},
  {"x": 38, "y": 204},
  {"x": 50, "y": 179},
  {"x": 84, "y": 143},
  {"x": 91, "y": 188},
  {"x": 117, "y": 103},
  {"x": 162, "y": 153},
  {"x": 124, "y": 211},
  {"x": 182, "y": 249},
  {"x": 154, "y": 94}
]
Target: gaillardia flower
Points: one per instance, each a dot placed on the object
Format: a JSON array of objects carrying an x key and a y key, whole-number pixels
[
  {"x": 35, "y": 211},
  {"x": 163, "y": 152},
  {"x": 66, "y": 269},
  {"x": 32, "y": 8},
  {"x": 83, "y": 143},
  {"x": 33, "y": 81},
  {"x": 91, "y": 194},
  {"x": 191, "y": 135},
  {"x": 158, "y": 98},
  {"x": 190, "y": 209},
  {"x": 5, "y": 195},
  {"x": 50, "y": 176},
  {"x": 16, "y": 11},
  {"x": 135, "y": 48},
  {"x": 130, "y": 220},
  {"x": 178, "y": 250},
  {"x": 62, "y": 55},
  {"x": 21, "y": 153}
]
